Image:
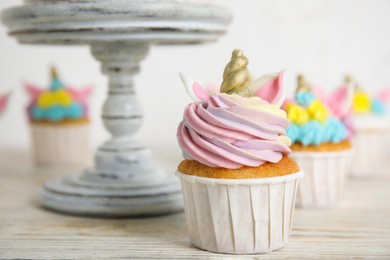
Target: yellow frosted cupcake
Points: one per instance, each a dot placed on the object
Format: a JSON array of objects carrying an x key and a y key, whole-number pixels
[
  {"x": 59, "y": 123},
  {"x": 321, "y": 147},
  {"x": 372, "y": 130}
]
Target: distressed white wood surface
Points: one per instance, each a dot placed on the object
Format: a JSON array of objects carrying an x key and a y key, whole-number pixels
[{"x": 359, "y": 227}]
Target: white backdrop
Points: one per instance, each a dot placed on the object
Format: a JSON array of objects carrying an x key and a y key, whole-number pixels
[{"x": 322, "y": 38}]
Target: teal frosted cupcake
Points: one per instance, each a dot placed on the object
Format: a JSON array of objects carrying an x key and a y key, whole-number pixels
[
  {"x": 59, "y": 123},
  {"x": 320, "y": 146},
  {"x": 370, "y": 114}
]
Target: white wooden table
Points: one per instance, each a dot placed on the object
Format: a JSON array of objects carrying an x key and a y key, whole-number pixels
[{"x": 359, "y": 227}]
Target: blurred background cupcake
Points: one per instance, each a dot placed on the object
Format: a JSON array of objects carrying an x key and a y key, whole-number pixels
[
  {"x": 372, "y": 128},
  {"x": 59, "y": 123},
  {"x": 3, "y": 102},
  {"x": 320, "y": 147}
]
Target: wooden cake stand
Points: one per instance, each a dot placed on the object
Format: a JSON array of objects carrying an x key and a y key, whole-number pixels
[{"x": 124, "y": 181}]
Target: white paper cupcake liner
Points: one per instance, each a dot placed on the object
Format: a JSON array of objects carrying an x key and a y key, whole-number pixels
[
  {"x": 239, "y": 216},
  {"x": 64, "y": 144},
  {"x": 371, "y": 154},
  {"x": 325, "y": 174}
]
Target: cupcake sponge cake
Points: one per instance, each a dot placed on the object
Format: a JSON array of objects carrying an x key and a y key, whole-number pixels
[{"x": 285, "y": 166}]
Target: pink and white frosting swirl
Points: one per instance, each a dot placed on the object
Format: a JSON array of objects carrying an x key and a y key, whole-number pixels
[{"x": 231, "y": 131}]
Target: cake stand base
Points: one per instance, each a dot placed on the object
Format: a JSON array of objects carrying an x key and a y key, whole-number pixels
[
  {"x": 73, "y": 195},
  {"x": 124, "y": 180}
]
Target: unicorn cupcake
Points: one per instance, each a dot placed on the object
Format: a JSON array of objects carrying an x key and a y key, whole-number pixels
[
  {"x": 239, "y": 184},
  {"x": 59, "y": 123},
  {"x": 370, "y": 115},
  {"x": 321, "y": 147}
]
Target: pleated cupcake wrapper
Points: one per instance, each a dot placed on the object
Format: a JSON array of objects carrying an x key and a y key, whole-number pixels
[
  {"x": 325, "y": 175},
  {"x": 53, "y": 144},
  {"x": 239, "y": 216},
  {"x": 371, "y": 154}
]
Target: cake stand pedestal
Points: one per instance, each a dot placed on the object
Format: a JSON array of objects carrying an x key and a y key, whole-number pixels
[{"x": 124, "y": 181}]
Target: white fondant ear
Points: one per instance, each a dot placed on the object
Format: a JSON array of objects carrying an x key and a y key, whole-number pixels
[
  {"x": 270, "y": 87},
  {"x": 348, "y": 101},
  {"x": 194, "y": 89}
]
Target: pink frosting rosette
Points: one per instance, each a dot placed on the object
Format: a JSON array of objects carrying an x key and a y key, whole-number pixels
[
  {"x": 230, "y": 131},
  {"x": 245, "y": 127}
]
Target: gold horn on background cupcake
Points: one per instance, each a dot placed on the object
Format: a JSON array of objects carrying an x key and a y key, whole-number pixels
[
  {"x": 236, "y": 74},
  {"x": 53, "y": 73},
  {"x": 303, "y": 84},
  {"x": 351, "y": 81}
]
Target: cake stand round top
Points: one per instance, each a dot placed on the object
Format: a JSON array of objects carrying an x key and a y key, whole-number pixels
[{"x": 88, "y": 21}]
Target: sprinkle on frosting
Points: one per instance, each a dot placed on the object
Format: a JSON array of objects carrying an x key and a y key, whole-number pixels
[
  {"x": 58, "y": 103},
  {"x": 232, "y": 130}
]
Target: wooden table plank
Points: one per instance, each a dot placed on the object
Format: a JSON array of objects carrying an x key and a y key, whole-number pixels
[{"x": 359, "y": 227}]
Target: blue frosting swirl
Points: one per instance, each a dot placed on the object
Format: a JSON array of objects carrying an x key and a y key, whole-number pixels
[
  {"x": 57, "y": 113},
  {"x": 293, "y": 132},
  {"x": 315, "y": 133},
  {"x": 378, "y": 107},
  {"x": 311, "y": 133},
  {"x": 74, "y": 111},
  {"x": 334, "y": 131},
  {"x": 304, "y": 98},
  {"x": 56, "y": 84}
]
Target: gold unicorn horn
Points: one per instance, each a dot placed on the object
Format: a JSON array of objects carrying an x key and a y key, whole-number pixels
[
  {"x": 349, "y": 79},
  {"x": 53, "y": 73},
  {"x": 303, "y": 85},
  {"x": 236, "y": 74}
]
